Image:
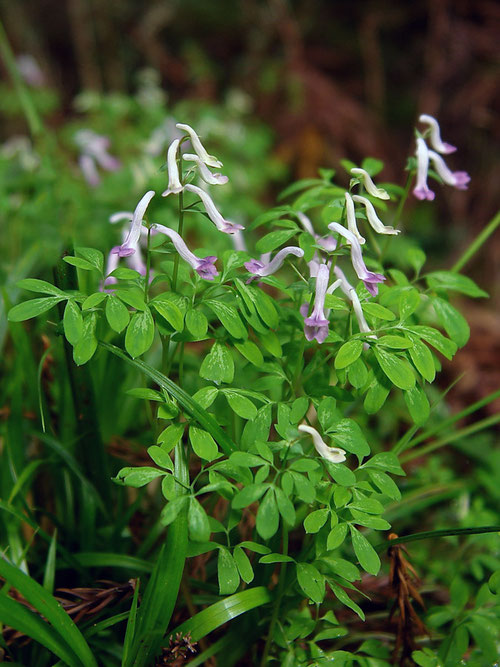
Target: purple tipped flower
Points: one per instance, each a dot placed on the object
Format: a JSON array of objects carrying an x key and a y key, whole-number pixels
[
  {"x": 316, "y": 325},
  {"x": 350, "y": 292},
  {"x": 421, "y": 189},
  {"x": 221, "y": 223},
  {"x": 203, "y": 266},
  {"x": 457, "y": 179},
  {"x": 436, "y": 141},
  {"x": 266, "y": 268},
  {"x": 129, "y": 246},
  {"x": 369, "y": 278}
]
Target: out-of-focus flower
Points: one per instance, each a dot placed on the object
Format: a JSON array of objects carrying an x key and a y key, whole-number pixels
[
  {"x": 332, "y": 454},
  {"x": 174, "y": 184},
  {"x": 94, "y": 148},
  {"x": 369, "y": 278},
  {"x": 203, "y": 266},
  {"x": 351, "y": 293},
  {"x": 265, "y": 268},
  {"x": 208, "y": 176},
  {"x": 30, "y": 70},
  {"x": 316, "y": 325},
  {"x": 435, "y": 132},
  {"x": 370, "y": 186},
  {"x": 198, "y": 147},
  {"x": 222, "y": 225},
  {"x": 129, "y": 246},
  {"x": 239, "y": 241},
  {"x": 421, "y": 189},
  {"x": 351, "y": 218},
  {"x": 457, "y": 179},
  {"x": 327, "y": 242},
  {"x": 373, "y": 218},
  {"x": 20, "y": 147}
]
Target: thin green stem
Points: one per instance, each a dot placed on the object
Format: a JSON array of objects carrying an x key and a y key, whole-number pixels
[
  {"x": 480, "y": 239},
  {"x": 180, "y": 229},
  {"x": 399, "y": 211},
  {"x": 430, "y": 534},
  {"x": 277, "y": 603},
  {"x": 148, "y": 266}
]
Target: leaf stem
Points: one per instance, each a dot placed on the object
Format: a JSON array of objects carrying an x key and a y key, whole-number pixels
[{"x": 480, "y": 239}]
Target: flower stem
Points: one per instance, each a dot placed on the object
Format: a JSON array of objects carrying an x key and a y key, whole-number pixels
[
  {"x": 277, "y": 603},
  {"x": 179, "y": 230},
  {"x": 399, "y": 210},
  {"x": 148, "y": 266},
  {"x": 480, "y": 239}
]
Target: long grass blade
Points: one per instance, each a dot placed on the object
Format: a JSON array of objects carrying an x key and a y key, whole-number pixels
[
  {"x": 431, "y": 534},
  {"x": 130, "y": 631}
]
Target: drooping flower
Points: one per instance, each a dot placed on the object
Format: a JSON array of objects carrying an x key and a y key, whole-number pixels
[
  {"x": 351, "y": 218},
  {"x": 370, "y": 186},
  {"x": 332, "y": 454},
  {"x": 222, "y": 225},
  {"x": 203, "y": 266},
  {"x": 207, "y": 175},
  {"x": 373, "y": 218},
  {"x": 198, "y": 147},
  {"x": 327, "y": 242},
  {"x": 351, "y": 294},
  {"x": 94, "y": 148},
  {"x": 421, "y": 189},
  {"x": 369, "y": 278},
  {"x": 174, "y": 183},
  {"x": 457, "y": 179},
  {"x": 239, "y": 241},
  {"x": 435, "y": 132},
  {"x": 129, "y": 246},
  {"x": 266, "y": 268},
  {"x": 316, "y": 325}
]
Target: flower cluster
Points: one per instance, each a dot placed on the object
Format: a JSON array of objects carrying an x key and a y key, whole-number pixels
[
  {"x": 94, "y": 151},
  {"x": 424, "y": 154}
]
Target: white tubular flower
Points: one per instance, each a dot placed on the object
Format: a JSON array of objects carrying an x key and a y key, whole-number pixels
[
  {"x": 198, "y": 147},
  {"x": 174, "y": 183},
  {"x": 457, "y": 179},
  {"x": 222, "y": 225},
  {"x": 208, "y": 176},
  {"x": 436, "y": 141},
  {"x": 204, "y": 266},
  {"x": 351, "y": 218},
  {"x": 239, "y": 241},
  {"x": 264, "y": 268},
  {"x": 373, "y": 218},
  {"x": 421, "y": 189},
  {"x": 316, "y": 325},
  {"x": 370, "y": 186},
  {"x": 351, "y": 294},
  {"x": 129, "y": 246},
  {"x": 332, "y": 454}
]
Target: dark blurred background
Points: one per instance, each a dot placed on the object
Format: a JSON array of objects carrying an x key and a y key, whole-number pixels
[{"x": 333, "y": 78}]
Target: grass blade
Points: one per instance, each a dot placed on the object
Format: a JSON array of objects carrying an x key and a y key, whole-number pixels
[
  {"x": 130, "y": 631},
  {"x": 430, "y": 534}
]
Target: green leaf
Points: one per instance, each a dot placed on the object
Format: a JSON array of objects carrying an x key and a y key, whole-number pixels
[
  {"x": 122, "y": 273},
  {"x": 196, "y": 323},
  {"x": 285, "y": 507},
  {"x": 375, "y": 310},
  {"x": 372, "y": 165},
  {"x": 265, "y": 307},
  {"x": 206, "y": 396},
  {"x": 358, "y": 374},
  {"x": 203, "y": 444},
  {"x": 170, "y": 311},
  {"x": 455, "y": 282},
  {"x": 409, "y": 302},
  {"x": 416, "y": 257},
  {"x": 255, "y": 546},
  {"x": 40, "y": 286},
  {"x": 139, "y": 476},
  {"x": 304, "y": 488},
  {"x": 240, "y": 404},
  {"x": 436, "y": 339},
  {"x": 273, "y": 240},
  {"x": 218, "y": 365},
  {"x": 170, "y": 436},
  {"x": 73, "y": 322},
  {"x": 348, "y": 435},
  {"x": 243, "y": 564},
  {"x": 229, "y": 318},
  {"x": 32, "y": 308},
  {"x": 132, "y": 297},
  {"x": 396, "y": 342},
  {"x": 93, "y": 256},
  {"x": 140, "y": 333},
  {"x": 311, "y": 581},
  {"x": 116, "y": 313},
  {"x": 316, "y": 520},
  {"x": 299, "y": 409},
  {"x": 227, "y": 572},
  {"x": 453, "y": 322},
  {"x": 417, "y": 404},
  {"x": 385, "y": 461},
  {"x": 251, "y": 352},
  {"x": 160, "y": 457},
  {"x": 146, "y": 394},
  {"x": 79, "y": 263},
  {"x": 375, "y": 397},
  {"x": 365, "y": 553},
  {"x": 248, "y": 495},
  {"x": 271, "y": 343},
  {"x": 423, "y": 360},
  {"x": 267, "y": 516},
  {"x": 342, "y": 596},
  {"x": 87, "y": 345},
  {"x": 341, "y": 473},
  {"x": 171, "y": 511},
  {"x": 94, "y": 300},
  {"x": 348, "y": 353},
  {"x": 397, "y": 370},
  {"x": 199, "y": 527},
  {"x": 275, "y": 558},
  {"x": 336, "y": 536},
  {"x": 385, "y": 483}
]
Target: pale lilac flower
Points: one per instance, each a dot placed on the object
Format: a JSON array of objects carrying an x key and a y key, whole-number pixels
[
  {"x": 174, "y": 184},
  {"x": 203, "y": 266},
  {"x": 94, "y": 148},
  {"x": 326, "y": 242},
  {"x": 262, "y": 269},
  {"x": 351, "y": 218},
  {"x": 89, "y": 170},
  {"x": 222, "y": 225},
  {"x": 30, "y": 70},
  {"x": 370, "y": 186},
  {"x": 352, "y": 295},
  {"x": 373, "y": 218},
  {"x": 111, "y": 265},
  {"x": 208, "y": 176},
  {"x": 421, "y": 189},
  {"x": 316, "y": 325},
  {"x": 436, "y": 141},
  {"x": 332, "y": 454},
  {"x": 457, "y": 179},
  {"x": 239, "y": 241},
  {"x": 369, "y": 278},
  {"x": 198, "y": 147},
  {"x": 129, "y": 246}
]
